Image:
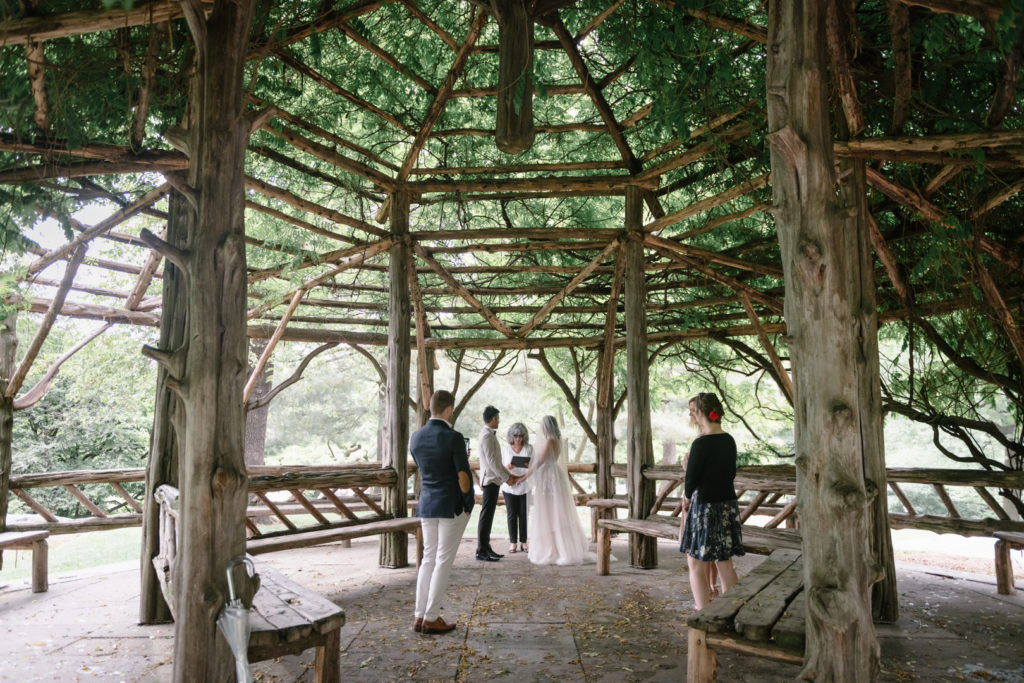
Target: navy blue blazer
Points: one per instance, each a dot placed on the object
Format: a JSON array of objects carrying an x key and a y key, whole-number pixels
[{"x": 440, "y": 455}]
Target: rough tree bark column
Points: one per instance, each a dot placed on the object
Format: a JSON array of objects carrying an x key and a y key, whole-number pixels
[
  {"x": 605, "y": 422},
  {"x": 643, "y": 550},
  {"x": 8, "y": 346},
  {"x": 394, "y": 548},
  {"x": 827, "y": 340},
  {"x": 209, "y": 371},
  {"x": 168, "y": 417}
]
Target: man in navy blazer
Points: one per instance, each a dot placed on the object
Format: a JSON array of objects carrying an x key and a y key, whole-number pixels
[{"x": 446, "y": 499}]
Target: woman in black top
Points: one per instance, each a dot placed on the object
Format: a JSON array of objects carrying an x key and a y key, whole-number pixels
[{"x": 712, "y": 531}]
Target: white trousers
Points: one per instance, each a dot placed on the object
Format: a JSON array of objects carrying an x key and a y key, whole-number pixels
[{"x": 441, "y": 537}]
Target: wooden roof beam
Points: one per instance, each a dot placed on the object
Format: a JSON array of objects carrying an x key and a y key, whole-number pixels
[
  {"x": 330, "y": 85},
  {"x": 550, "y": 128},
  {"x": 431, "y": 24},
  {"x": 322, "y": 133},
  {"x": 601, "y": 183},
  {"x": 524, "y": 168},
  {"x": 74, "y": 309},
  {"x": 325, "y": 23},
  {"x": 459, "y": 289},
  {"x": 696, "y": 152},
  {"x": 291, "y": 199},
  {"x": 320, "y": 259},
  {"x": 599, "y": 19},
  {"x": 325, "y": 153},
  {"x": 297, "y": 222},
  {"x": 386, "y": 57},
  {"x": 983, "y": 10},
  {"x": 48, "y": 27},
  {"x": 711, "y": 125},
  {"x": 715, "y": 257},
  {"x": 28, "y": 174},
  {"x": 442, "y": 95},
  {"x": 730, "y": 24},
  {"x": 736, "y": 191}
]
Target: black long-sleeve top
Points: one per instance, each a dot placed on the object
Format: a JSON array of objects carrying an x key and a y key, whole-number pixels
[{"x": 711, "y": 468}]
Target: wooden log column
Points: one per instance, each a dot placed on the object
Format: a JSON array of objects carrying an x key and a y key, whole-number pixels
[
  {"x": 643, "y": 550},
  {"x": 826, "y": 270},
  {"x": 605, "y": 422},
  {"x": 168, "y": 416},
  {"x": 209, "y": 370},
  {"x": 394, "y": 547},
  {"x": 8, "y": 346}
]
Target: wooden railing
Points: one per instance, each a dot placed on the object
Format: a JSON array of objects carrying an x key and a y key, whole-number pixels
[{"x": 333, "y": 496}]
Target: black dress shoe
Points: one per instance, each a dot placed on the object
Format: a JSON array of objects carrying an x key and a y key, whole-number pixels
[
  {"x": 493, "y": 555},
  {"x": 485, "y": 557}
]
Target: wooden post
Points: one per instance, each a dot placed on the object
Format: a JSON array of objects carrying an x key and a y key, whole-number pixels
[
  {"x": 209, "y": 370},
  {"x": 606, "y": 385},
  {"x": 394, "y": 547},
  {"x": 1004, "y": 569},
  {"x": 8, "y": 346},
  {"x": 643, "y": 550},
  {"x": 701, "y": 661},
  {"x": 829, "y": 286},
  {"x": 168, "y": 417}
]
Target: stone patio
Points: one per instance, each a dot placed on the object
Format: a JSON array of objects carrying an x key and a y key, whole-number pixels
[{"x": 515, "y": 620}]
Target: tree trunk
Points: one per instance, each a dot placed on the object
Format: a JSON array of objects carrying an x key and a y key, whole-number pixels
[
  {"x": 213, "y": 475},
  {"x": 643, "y": 550},
  {"x": 8, "y": 346},
  {"x": 168, "y": 416},
  {"x": 256, "y": 420},
  {"x": 394, "y": 547},
  {"x": 668, "y": 453},
  {"x": 514, "y": 130},
  {"x": 828, "y": 288},
  {"x": 605, "y": 422}
]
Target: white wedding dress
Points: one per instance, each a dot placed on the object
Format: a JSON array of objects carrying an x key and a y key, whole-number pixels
[{"x": 556, "y": 536}]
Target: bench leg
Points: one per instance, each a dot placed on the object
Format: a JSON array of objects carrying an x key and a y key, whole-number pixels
[
  {"x": 701, "y": 662},
  {"x": 1004, "y": 569},
  {"x": 40, "y": 565},
  {"x": 604, "y": 551},
  {"x": 327, "y": 668}
]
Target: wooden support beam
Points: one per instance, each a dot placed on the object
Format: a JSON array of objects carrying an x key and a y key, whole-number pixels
[
  {"x": 291, "y": 199},
  {"x": 459, "y": 289},
  {"x": 986, "y": 10},
  {"x": 598, "y": 20},
  {"x": 159, "y": 163},
  {"x": 297, "y": 222},
  {"x": 740, "y": 189},
  {"x": 601, "y": 184},
  {"x": 329, "y": 257},
  {"x": 583, "y": 274},
  {"x": 780, "y": 370},
  {"x": 49, "y": 27},
  {"x": 697, "y": 152},
  {"x": 47, "y": 323},
  {"x": 394, "y": 547},
  {"x": 322, "y": 24},
  {"x": 523, "y": 168},
  {"x": 106, "y": 224},
  {"x": 36, "y": 393},
  {"x": 423, "y": 375},
  {"x": 146, "y": 79},
  {"x": 369, "y": 251},
  {"x": 442, "y": 95},
  {"x": 713, "y": 257},
  {"x": 268, "y": 350},
  {"x": 330, "y": 85},
  {"x": 37, "y": 79},
  {"x": 639, "y": 447},
  {"x": 327, "y": 154},
  {"x": 386, "y": 57},
  {"x": 430, "y": 23}
]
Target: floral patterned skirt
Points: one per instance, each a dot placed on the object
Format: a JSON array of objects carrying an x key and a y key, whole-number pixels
[{"x": 713, "y": 532}]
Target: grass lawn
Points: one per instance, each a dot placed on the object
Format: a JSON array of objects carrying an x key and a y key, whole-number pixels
[{"x": 69, "y": 552}]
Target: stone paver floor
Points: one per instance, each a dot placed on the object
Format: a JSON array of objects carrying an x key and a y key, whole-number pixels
[{"x": 516, "y": 621}]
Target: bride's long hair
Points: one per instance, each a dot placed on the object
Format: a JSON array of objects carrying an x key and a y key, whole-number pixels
[{"x": 549, "y": 428}]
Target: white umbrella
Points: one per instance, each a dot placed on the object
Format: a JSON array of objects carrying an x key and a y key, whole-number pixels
[{"x": 234, "y": 623}]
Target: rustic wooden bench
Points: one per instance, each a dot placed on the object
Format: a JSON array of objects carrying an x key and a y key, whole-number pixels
[
  {"x": 762, "y": 615},
  {"x": 1005, "y": 542},
  {"x": 285, "y": 618},
  {"x": 756, "y": 539},
  {"x": 36, "y": 542}
]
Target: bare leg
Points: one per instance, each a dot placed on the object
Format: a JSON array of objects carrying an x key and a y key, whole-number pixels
[
  {"x": 713, "y": 579},
  {"x": 728, "y": 574},
  {"x": 699, "y": 581}
]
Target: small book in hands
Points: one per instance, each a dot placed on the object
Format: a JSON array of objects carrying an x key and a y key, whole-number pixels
[{"x": 520, "y": 461}]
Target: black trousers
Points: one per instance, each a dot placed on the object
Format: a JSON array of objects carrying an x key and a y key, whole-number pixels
[
  {"x": 515, "y": 511},
  {"x": 483, "y": 527}
]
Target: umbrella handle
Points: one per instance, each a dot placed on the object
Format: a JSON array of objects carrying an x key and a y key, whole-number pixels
[{"x": 250, "y": 569}]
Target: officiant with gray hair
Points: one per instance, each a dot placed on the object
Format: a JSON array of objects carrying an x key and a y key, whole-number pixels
[
  {"x": 492, "y": 475},
  {"x": 515, "y": 456}
]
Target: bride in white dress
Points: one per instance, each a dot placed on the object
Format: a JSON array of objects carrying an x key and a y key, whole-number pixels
[{"x": 556, "y": 536}]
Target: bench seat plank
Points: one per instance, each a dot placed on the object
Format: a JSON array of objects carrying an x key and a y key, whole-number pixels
[
  {"x": 21, "y": 539},
  {"x": 717, "y": 616},
  {"x": 755, "y": 619},
  {"x": 790, "y": 630},
  {"x": 256, "y": 546},
  {"x": 756, "y": 539},
  {"x": 1012, "y": 537},
  {"x": 285, "y": 612}
]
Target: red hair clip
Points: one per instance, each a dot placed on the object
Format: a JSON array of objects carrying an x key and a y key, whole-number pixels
[{"x": 713, "y": 415}]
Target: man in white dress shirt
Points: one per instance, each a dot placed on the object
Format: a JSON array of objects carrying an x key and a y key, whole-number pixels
[{"x": 492, "y": 475}]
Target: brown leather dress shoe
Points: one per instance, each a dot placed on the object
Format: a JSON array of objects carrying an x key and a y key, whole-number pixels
[
  {"x": 418, "y": 625},
  {"x": 438, "y": 625}
]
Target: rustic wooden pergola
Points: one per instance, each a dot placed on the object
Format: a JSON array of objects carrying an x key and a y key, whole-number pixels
[{"x": 327, "y": 180}]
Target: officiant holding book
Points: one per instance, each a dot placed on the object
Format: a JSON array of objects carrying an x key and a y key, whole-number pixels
[{"x": 515, "y": 456}]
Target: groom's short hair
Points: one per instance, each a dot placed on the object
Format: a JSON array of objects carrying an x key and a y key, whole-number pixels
[
  {"x": 489, "y": 413},
  {"x": 440, "y": 401}
]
